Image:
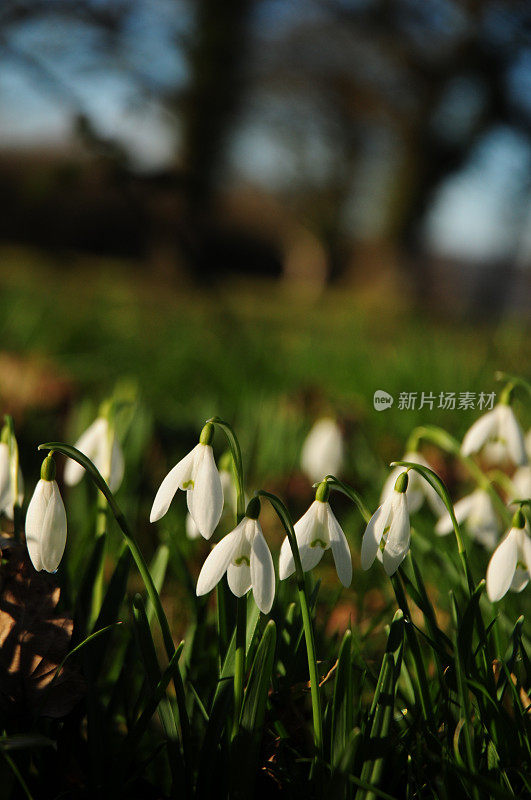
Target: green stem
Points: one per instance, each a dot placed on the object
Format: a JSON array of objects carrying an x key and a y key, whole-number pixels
[
  {"x": 284, "y": 517},
  {"x": 145, "y": 574},
  {"x": 425, "y": 699},
  {"x": 238, "y": 464},
  {"x": 435, "y": 481},
  {"x": 101, "y": 530},
  {"x": 239, "y": 661},
  {"x": 347, "y": 490},
  {"x": 241, "y": 608}
]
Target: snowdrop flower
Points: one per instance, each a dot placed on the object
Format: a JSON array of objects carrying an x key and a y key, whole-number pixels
[
  {"x": 521, "y": 481},
  {"x": 500, "y": 431},
  {"x": 322, "y": 451},
  {"x": 477, "y": 511},
  {"x": 100, "y": 444},
  {"x": 510, "y": 564},
  {"x": 46, "y": 521},
  {"x": 418, "y": 489},
  {"x": 196, "y": 474},
  {"x": 528, "y": 442},
  {"x": 229, "y": 499},
  {"x": 244, "y": 555},
  {"x": 7, "y": 490},
  {"x": 316, "y": 531},
  {"x": 388, "y": 533}
]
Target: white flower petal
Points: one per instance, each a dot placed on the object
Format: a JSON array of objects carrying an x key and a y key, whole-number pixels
[
  {"x": 462, "y": 509},
  {"x": 522, "y": 482},
  {"x": 176, "y": 477},
  {"x": 34, "y": 519},
  {"x": 512, "y": 434},
  {"x": 501, "y": 568},
  {"x": 483, "y": 429},
  {"x": 206, "y": 500},
  {"x": 340, "y": 549},
  {"x": 312, "y": 535},
  {"x": 398, "y": 538},
  {"x": 219, "y": 558},
  {"x": 322, "y": 451},
  {"x": 286, "y": 564},
  {"x": 5, "y": 475},
  {"x": 89, "y": 443},
  {"x": 192, "y": 531},
  {"x": 482, "y": 521},
  {"x": 262, "y": 573},
  {"x": 525, "y": 551},
  {"x": 117, "y": 466},
  {"x": 374, "y": 532},
  {"x": 53, "y": 537},
  {"x": 239, "y": 578},
  {"x": 435, "y": 502},
  {"x": 520, "y": 580}
]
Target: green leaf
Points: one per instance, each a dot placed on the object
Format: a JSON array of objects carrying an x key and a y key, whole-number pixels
[
  {"x": 342, "y": 706},
  {"x": 157, "y": 568},
  {"x": 154, "y": 678},
  {"x": 247, "y": 742}
]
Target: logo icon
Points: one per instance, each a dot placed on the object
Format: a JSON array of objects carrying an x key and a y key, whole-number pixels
[{"x": 382, "y": 400}]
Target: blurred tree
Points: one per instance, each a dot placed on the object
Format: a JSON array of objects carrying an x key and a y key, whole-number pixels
[{"x": 364, "y": 106}]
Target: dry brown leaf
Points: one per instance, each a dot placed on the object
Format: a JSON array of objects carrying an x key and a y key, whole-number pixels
[{"x": 34, "y": 639}]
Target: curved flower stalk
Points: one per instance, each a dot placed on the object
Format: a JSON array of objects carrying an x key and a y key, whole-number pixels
[
  {"x": 418, "y": 489},
  {"x": 323, "y": 450},
  {"x": 244, "y": 555},
  {"x": 197, "y": 475},
  {"x": 317, "y": 531},
  {"x": 99, "y": 443},
  {"x": 500, "y": 433},
  {"x": 479, "y": 514},
  {"x": 388, "y": 533},
  {"x": 7, "y": 487},
  {"x": 510, "y": 564},
  {"x": 46, "y": 521}
]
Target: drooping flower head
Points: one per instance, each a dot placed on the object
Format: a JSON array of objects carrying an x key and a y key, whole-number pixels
[
  {"x": 317, "y": 531},
  {"x": 99, "y": 443},
  {"x": 197, "y": 475},
  {"x": 46, "y": 521},
  {"x": 228, "y": 487},
  {"x": 499, "y": 432},
  {"x": 478, "y": 513},
  {"x": 418, "y": 489},
  {"x": 510, "y": 564},
  {"x": 7, "y": 483},
  {"x": 322, "y": 451},
  {"x": 388, "y": 533},
  {"x": 521, "y": 481},
  {"x": 244, "y": 555}
]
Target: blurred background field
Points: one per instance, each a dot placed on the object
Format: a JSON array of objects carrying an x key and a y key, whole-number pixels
[{"x": 268, "y": 215}]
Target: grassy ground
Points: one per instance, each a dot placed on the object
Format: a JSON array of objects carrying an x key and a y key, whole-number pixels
[{"x": 270, "y": 361}]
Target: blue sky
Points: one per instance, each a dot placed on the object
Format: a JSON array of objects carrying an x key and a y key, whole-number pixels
[{"x": 480, "y": 212}]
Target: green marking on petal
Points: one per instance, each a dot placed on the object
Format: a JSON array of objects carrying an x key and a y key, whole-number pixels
[
  {"x": 188, "y": 484},
  {"x": 318, "y": 543},
  {"x": 242, "y": 560}
]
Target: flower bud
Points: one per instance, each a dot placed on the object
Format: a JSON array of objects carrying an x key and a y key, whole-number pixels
[
  {"x": 48, "y": 468},
  {"x": 402, "y": 482},
  {"x": 207, "y": 434},
  {"x": 323, "y": 492},
  {"x": 253, "y": 508}
]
